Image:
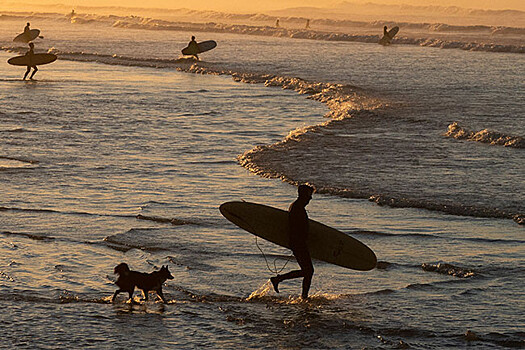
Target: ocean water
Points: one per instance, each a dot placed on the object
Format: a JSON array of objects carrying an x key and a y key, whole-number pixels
[{"x": 121, "y": 151}]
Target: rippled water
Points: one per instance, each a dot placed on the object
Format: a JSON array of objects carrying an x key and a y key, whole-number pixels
[{"x": 109, "y": 159}]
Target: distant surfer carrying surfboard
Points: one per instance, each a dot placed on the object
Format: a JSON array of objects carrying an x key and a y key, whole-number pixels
[
  {"x": 388, "y": 35},
  {"x": 298, "y": 235},
  {"x": 194, "y": 47},
  {"x": 30, "y": 54}
]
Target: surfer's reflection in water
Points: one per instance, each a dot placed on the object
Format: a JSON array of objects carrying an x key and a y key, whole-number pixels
[
  {"x": 30, "y": 54},
  {"x": 298, "y": 223}
]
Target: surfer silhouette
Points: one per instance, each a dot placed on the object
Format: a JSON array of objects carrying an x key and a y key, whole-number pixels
[
  {"x": 298, "y": 233},
  {"x": 30, "y": 54},
  {"x": 27, "y": 31},
  {"x": 193, "y": 46},
  {"x": 385, "y": 30}
]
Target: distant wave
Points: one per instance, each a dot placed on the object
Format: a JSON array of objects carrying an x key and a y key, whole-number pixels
[
  {"x": 485, "y": 136},
  {"x": 255, "y": 28},
  {"x": 197, "y": 17},
  {"x": 151, "y": 24}
]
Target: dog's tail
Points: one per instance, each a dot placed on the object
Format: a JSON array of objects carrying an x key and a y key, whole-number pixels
[{"x": 122, "y": 269}]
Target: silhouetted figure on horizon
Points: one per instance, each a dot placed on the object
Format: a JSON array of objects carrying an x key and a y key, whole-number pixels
[
  {"x": 277, "y": 23},
  {"x": 31, "y": 54},
  {"x": 298, "y": 233},
  {"x": 194, "y": 47}
]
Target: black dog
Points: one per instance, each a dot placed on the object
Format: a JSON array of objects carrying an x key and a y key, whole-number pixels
[{"x": 128, "y": 280}]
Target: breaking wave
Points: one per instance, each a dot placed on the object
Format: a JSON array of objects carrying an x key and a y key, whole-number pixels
[{"x": 485, "y": 136}]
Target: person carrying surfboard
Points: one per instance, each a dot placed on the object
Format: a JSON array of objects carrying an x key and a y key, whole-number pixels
[
  {"x": 194, "y": 47},
  {"x": 298, "y": 235},
  {"x": 30, "y": 54},
  {"x": 27, "y": 31}
]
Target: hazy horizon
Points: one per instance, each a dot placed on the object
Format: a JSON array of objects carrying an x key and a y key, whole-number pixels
[{"x": 260, "y": 6}]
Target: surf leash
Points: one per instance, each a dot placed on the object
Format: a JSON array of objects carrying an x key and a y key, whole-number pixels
[{"x": 275, "y": 270}]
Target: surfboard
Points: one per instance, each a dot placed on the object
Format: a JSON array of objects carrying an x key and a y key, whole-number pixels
[
  {"x": 27, "y": 37},
  {"x": 324, "y": 243},
  {"x": 203, "y": 47},
  {"x": 38, "y": 59},
  {"x": 387, "y": 38}
]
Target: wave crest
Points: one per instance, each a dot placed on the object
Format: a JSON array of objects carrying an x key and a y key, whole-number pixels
[{"x": 485, "y": 136}]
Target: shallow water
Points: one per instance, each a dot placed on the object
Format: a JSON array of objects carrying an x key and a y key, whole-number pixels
[{"x": 90, "y": 146}]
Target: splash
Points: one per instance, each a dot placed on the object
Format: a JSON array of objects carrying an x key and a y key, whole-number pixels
[
  {"x": 263, "y": 291},
  {"x": 448, "y": 269}
]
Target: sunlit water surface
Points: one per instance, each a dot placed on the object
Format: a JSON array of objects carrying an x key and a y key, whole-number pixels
[{"x": 89, "y": 147}]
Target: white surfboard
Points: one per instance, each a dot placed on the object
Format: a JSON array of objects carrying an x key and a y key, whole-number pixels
[{"x": 324, "y": 243}]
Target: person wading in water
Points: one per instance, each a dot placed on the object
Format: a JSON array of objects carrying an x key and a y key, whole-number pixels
[{"x": 298, "y": 233}]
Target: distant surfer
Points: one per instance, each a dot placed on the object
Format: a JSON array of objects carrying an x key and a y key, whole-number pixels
[
  {"x": 298, "y": 233},
  {"x": 194, "y": 47},
  {"x": 388, "y": 35},
  {"x": 277, "y": 23},
  {"x": 30, "y": 54},
  {"x": 307, "y": 26},
  {"x": 27, "y": 31}
]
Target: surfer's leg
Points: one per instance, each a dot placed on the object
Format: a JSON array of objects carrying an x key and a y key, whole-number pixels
[
  {"x": 34, "y": 71},
  {"x": 307, "y": 268},
  {"x": 287, "y": 276},
  {"x": 27, "y": 72}
]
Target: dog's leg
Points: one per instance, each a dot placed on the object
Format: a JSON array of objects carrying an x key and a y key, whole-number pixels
[
  {"x": 115, "y": 295},
  {"x": 161, "y": 295},
  {"x": 130, "y": 292}
]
